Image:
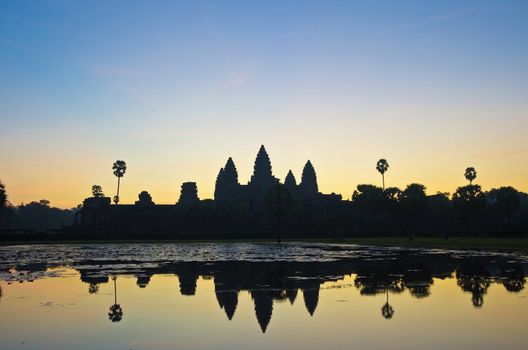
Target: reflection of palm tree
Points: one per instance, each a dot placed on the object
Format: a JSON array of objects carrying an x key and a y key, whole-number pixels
[
  {"x": 116, "y": 313},
  {"x": 93, "y": 288},
  {"x": 382, "y": 166},
  {"x": 387, "y": 310},
  {"x": 119, "y": 169}
]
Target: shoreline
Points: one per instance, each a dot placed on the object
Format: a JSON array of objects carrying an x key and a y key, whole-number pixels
[{"x": 474, "y": 243}]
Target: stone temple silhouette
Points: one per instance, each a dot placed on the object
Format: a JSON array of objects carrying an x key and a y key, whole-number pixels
[
  {"x": 235, "y": 206},
  {"x": 228, "y": 188}
]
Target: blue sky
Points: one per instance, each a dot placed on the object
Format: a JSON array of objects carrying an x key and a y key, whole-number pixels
[{"x": 175, "y": 87}]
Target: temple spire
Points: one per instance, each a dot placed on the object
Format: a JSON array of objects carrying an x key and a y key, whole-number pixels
[
  {"x": 262, "y": 178},
  {"x": 230, "y": 173},
  {"x": 290, "y": 181},
  {"x": 219, "y": 193},
  {"x": 188, "y": 194},
  {"x": 309, "y": 180},
  {"x": 262, "y": 168},
  {"x": 226, "y": 182}
]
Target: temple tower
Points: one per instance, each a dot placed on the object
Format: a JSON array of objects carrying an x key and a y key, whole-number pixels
[
  {"x": 219, "y": 193},
  {"x": 262, "y": 179},
  {"x": 145, "y": 199},
  {"x": 290, "y": 183},
  {"x": 227, "y": 185},
  {"x": 230, "y": 174},
  {"x": 308, "y": 183},
  {"x": 189, "y": 194}
]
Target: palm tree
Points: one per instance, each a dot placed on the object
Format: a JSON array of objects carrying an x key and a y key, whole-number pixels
[
  {"x": 470, "y": 174},
  {"x": 119, "y": 168},
  {"x": 116, "y": 312},
  {"x": 382, "y": 166}
]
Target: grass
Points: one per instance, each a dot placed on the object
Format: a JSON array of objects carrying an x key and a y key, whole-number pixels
[{"x": 493, "y": 243}]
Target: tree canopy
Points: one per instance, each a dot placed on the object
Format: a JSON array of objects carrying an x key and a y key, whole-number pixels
[{"x": 97, "y": 191}]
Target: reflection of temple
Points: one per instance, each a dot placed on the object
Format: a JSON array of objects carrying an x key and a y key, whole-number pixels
[
  {"x": 263, "y": 300},
  {"x": 228, "y": 300},
  {"x": 311, "y": 298},
  {"x": 188, "y": 281},
  {"x": 143, "y": 281},
  {"x": 226, "y": 292},
  {"x": 268, "y": 282}
]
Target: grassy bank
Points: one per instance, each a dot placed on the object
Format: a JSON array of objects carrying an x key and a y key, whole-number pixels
[{"x": 494, "y": 243}]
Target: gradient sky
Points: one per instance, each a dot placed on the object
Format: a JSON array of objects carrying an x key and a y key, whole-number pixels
[{"x": 175, "y": 87}]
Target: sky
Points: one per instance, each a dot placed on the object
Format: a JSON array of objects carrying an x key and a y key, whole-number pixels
[{"x": 174, "y": 88}]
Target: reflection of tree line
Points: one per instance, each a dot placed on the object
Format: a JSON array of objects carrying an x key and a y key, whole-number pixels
[
  {"x": 269, "y": 282},
  {"x": 279, "y": 281}
]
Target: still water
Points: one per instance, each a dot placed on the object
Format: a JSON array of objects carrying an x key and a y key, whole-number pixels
[{"x": 260, "y": 296}]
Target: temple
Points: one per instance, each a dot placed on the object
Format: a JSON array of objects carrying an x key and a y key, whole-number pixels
[
  {"x": 229, "y": 190},
  {"x": 235, "y": 206}
]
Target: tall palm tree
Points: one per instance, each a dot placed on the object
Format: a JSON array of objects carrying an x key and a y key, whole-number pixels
[
  {"x": 470, "y": 174},
  {"x": 116, "y": 312},
  {"x": 119, "y": 169},
  {"x": 382, "y": 166}
]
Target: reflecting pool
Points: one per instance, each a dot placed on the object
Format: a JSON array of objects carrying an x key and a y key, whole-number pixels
[{"x": 260, "y": 296}]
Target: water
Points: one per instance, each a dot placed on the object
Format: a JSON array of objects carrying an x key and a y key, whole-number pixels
[{"x": 260, "y": 296}]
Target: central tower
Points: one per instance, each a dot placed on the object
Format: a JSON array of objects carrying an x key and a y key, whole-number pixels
[{"x": 262, "y": 179}]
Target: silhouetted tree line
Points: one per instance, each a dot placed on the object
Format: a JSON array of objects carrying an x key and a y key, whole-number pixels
[
  {"x": 266, "y": 208},
  {"x": 283, "y": 213},
  {"x": 36, "y": 215}
]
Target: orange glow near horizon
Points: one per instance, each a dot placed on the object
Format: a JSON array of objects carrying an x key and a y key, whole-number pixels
[{"x": 67, "y": 182}]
